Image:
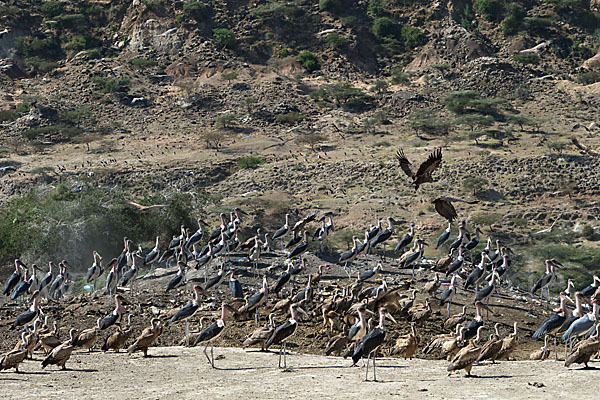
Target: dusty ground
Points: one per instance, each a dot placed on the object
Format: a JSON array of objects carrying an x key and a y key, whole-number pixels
[{"x": 182, "y": 373}]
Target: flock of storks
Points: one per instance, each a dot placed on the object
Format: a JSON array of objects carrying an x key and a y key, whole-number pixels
[{"x": 345, "y": 307}]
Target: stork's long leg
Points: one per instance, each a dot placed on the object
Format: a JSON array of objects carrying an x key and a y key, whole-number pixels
[
  {"x": 374, "y": 373},
  {"x": 284, "y": 357},
  {"x": 555, "y": 352},
  {"x": 280, "y": 351},
  {"x": 212, "y": 356},
  {"x": 205, "y": 353},
  {"x": 187, "y": 333}
]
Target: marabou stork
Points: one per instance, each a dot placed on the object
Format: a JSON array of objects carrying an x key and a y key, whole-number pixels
[
  {"x": 300, "y": 248},
  {"x": 26, "y": 317},
  {"x": 349, "y": 255},
  {"x": 178, "y": 279},
  {"x": 14, "y": 279},
  {"x": 185, "y": 312},
  {"x": 448, "y": 294},
  {"x": 368, "y": 274},
  {"x": 405, "y": 241},
  {"x": 213, "y": 331},
  {"x": 235, "y": 287},
  {"x": 547, "y": 279},
  {"x": 152, "y": 257},
  {"x": 283, "y": 332},
  {"x": 115, "y": 315},
  {"x": 444, "y": 236},
  {"x": 369, "y": 344},
  {"x": 47, "y": 279},
  {"x": 256, "y": 300},
  {"x": 552, "y": 324}
]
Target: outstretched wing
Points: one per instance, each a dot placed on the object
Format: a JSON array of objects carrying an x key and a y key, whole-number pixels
[
  {"x": 428, "y": 166},
  {"x": 300, "y": 224},
  {"x": 404, "y": 163},
  {"x": 142, "y": 208}
]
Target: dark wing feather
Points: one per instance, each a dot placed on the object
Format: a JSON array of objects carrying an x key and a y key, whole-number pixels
[
  {"x": 445, "y": 209},
  {"x": 404, "y": 163},
  {"x": 429, "y": 165}
]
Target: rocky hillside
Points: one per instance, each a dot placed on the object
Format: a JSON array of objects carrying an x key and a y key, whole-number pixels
[{"x": 297, "y": 105}]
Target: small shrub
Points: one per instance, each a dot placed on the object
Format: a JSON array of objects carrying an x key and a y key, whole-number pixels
[
  {"x": 309, "y": 60},
  {"x": 8, "y": 115},
  {"x": 537, "y": 25},
  {"x": 38, "y": 65},
  {"x": 428, "y": 122},
  {"x": 384, "y": 27},
  {"x": 224, "y": 37},
  {"x": 23, "y": 107},
  {"x": 283, "y": 53},
  {"x": 510, "y": 25},
  {"x": 336, "y": 41},
  {"x": 475, "y": 184},
  {"x": 111, "y": 85},
  {"x": 196, "y": 10},
  {"x": 412, "y": 37},
  {"x": 380, "y": 86},
  {"x": 376, "y": 9},
  {"x": 487, "y": 219},
  {"x": 527, "y": 58},
  {"x": 142, "y": 63},
  {"x": 76, "y": 115},
  {"x": 399, "y": 76},
  {"x": 225, "y": 121},
  {"x": 587, "y": 232},
  {"x": 589, "y": 77},
  {"x": 334, "y": 6},
  {"x": 77, "y": 42},
  {"x": 290, "y": 118},
  {"x": 29, "y": 47},
  {"x": 51, "y": 9},
  {"x": 229, "y": 76},
  {"x": 249, "y": 162},
  {"x": 312, "y": 139},
  {"x": 489, "y": 9},
  {"x": 341, "y": 95}
]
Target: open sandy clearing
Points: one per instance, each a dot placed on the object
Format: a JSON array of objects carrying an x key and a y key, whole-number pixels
[{"x": 183, "y": 373}]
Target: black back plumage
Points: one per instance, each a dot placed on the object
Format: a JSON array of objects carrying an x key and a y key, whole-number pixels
[
  {"x": 235, "y": 287},
  {"x": 281, "y": 333},
  {"x": 548, "y": 325},
  {"x": 25, "y": 317},
  {"x": 471, "y": 328},
  {"x": 109, "y": 320},
  {"x": 11, "y": 282},
  {"x": 211, "y": 332},
  {"x": 174, "y": 282},
  {"x": 184, "y": 312},
  {"x": 20, "y": 289},
  {"x": 281, "y": 281},
  {"x": 370, "y": 342}
]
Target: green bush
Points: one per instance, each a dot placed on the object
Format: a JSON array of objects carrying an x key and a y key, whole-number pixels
[
  {"x": 283, "y": 52},
  {"x": 76, "y": 115},
  {"x": 8, "y": 116},
  {"x": 111, "y": 85},
  {"x": 511, "y": 25},
  {"x": 412, "y": 37},
  {"x": 537, "y": 25},
  {"x": 475, "y": 184},
  {"x": 589, "y": 77},
  {"x": 77, "y": 42},
  {"x": 290, "y": 118},
  {"x": 336, "y": 41},
  {"x": 430, "y": 123},
  {"x": 309, "y": 60},
  {"x": 527, "y": 58},
  {"x": 384, "y": 27},
  {"x": 249, "y": 162},
  {"x": 154, "y": 5},
  {"x": 38, "y": 65},
  {"x": 51, "y": 9},
  {"x": 341, "y": 95},
  {"x": 587, "y": 232},
  {"x": 334, "y": 6},
  {"x": 224, "y": 37},
  {"x": 74, "y": 22},
  {"x": 196, "y": 10},
  {"x": 399, "y": 76},
  {"x": 376, "y": 9},
  {"x": 489, "y": 9},
  {"x": 142, "y": 63},
  {"x": 46, "y": 48},
  {"x": 277, "y": 13}
]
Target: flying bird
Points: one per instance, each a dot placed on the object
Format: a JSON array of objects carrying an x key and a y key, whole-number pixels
[{"x": 424, "y": 172}]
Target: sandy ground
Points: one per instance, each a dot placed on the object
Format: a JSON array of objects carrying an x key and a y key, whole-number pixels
[{"x": 183, "y": 373}]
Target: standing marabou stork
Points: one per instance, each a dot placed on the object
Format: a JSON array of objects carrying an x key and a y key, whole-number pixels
[
  {"x": 254, "y": 254},
  {"x": 256, "y": 300},
  {"x": 185, "y": 312},
  {"x": 476, "y": 274},
  {"x": 487, "y": 290},
  {"x": 444, "y": 236},
  {"x": 471, "y": 244},
  {"x": 283, "y": 332},
  {"x": 178, "y": 279},
  {"x": 547, "y": 279},
  {"x": 47, "y": 279},
  {"x": 405, "y": 241},
  {"x": 284, "y": 230},
  {"x": 415, "y": 257},
  {"x": 461, "y": 238},
  {"x": 552, "y": 324},
  {"x": 349, "y": 256},
  {"x": 58, "y": 281},
  {"x": 130, "y": 275},
  {"x": 213, "y": 331},
  {"x": 364, "y": 246},
  {"x": 591, "y": 289},
  {"x": 283, "y": 279},
  {"x": 26, "y": 317},
  {"x": 216, "y": 233},
  {"x": 324, "y": 231},
  {"x": 369, "y": 344},
  {"x": 94, "y": 272},
  {"x": 475, "y": 323},
  {"x": 115, "y": 315},
  {"x": 300, "y": 247},
  {"x": 152, "y": 257},
  {"x": 457, "y": 263},
  {"x": 384, "y": 235},
  {"x": 23, "y": 287},
  {"x": 14, "y": 279},
  {"x": 112, "y": 280},
  {"x": 235, "y": 287},
  {"x": 448, "y": 294},
  {"x": 215, "y": 281},
  {"x": 583, "y": 324},
  {"x": 196, "y": 237}
]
